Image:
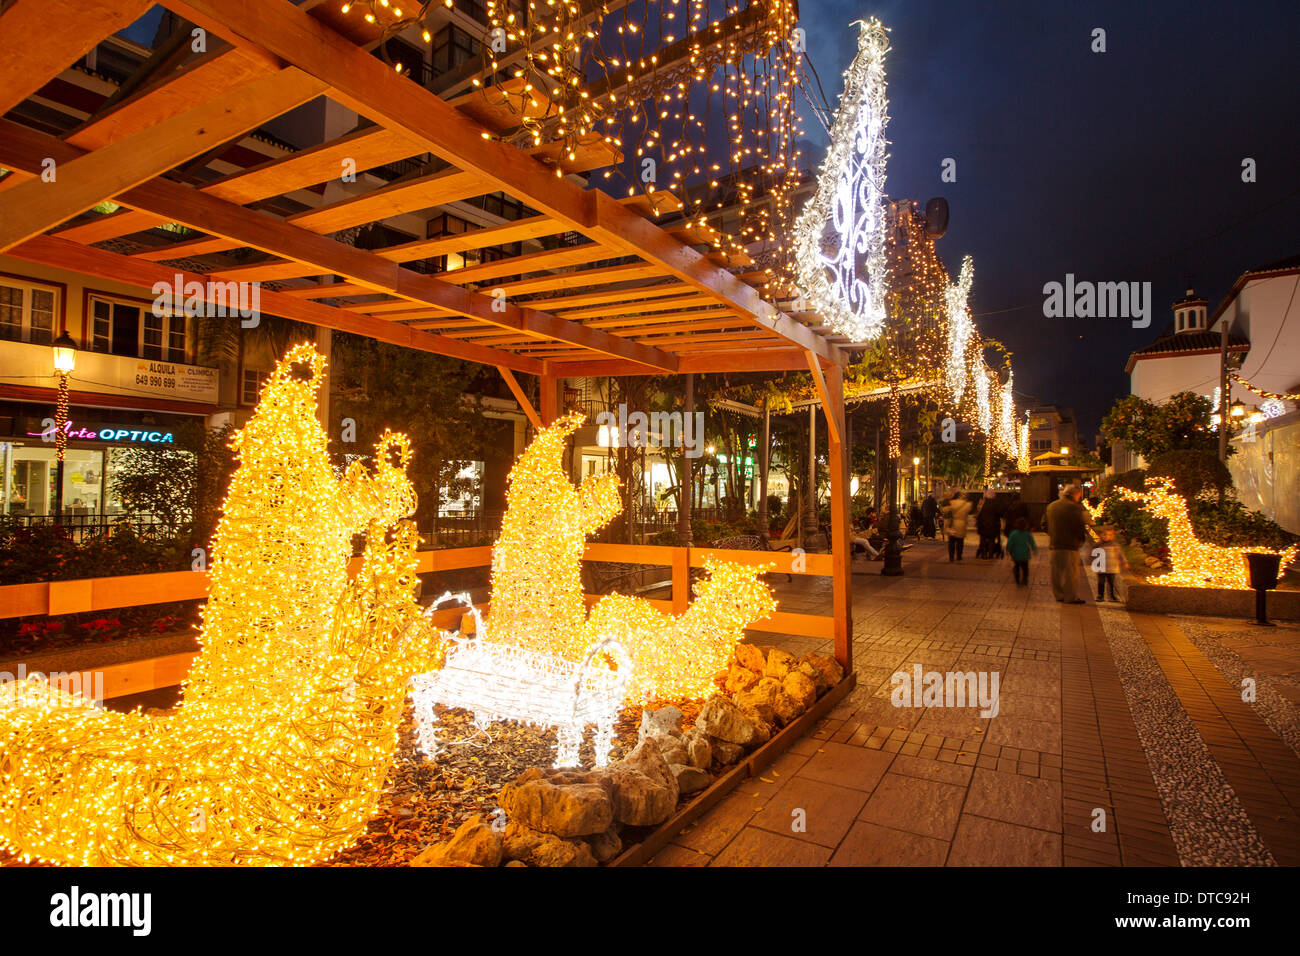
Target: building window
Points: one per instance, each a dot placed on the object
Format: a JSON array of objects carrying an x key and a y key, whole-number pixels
[
  {"x": 27, "y": 312},
  {"x": 252, "y": 386},
  {"x": 163, "y": 337}
]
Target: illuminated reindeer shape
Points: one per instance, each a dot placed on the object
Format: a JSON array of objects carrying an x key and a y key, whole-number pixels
[
  {"x": 1195, "y": 562},
  {"x": 279, "y": 750},
  {"x": 537, "y": 593}
]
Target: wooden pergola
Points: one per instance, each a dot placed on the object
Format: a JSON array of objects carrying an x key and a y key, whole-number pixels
[{"x": 630, "y": 298}]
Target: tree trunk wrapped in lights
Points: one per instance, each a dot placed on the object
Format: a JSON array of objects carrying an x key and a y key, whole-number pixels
[{"x": 289, "y": 723}]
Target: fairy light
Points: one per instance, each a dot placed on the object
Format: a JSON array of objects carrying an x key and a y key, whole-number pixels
[
  {"x": 960, "y": 329},
  {"x": 537, "y": 595},
  {"x": 1022, "y": 453},
  {"x": 289, "y": 722},
  {"x": 1195, "y": 563},
  {"x": 848, "y": 284},
  {"x": 984, "y": 411},
  {"x": 895, "y": 423},
  {"x": 504, "y": 682},
  {"x": 1005, "y": 434}
]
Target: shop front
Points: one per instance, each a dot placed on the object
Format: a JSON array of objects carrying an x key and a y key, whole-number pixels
[{"x": 98, "y": 441}]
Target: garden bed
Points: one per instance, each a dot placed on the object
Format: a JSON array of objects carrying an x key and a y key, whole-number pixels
[{"x": 1206, "y": 601}]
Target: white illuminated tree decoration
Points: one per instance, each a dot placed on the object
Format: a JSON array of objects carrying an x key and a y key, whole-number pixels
[
  {"x": 840, "y": 236},
  {"x": 960, "y": 328}
]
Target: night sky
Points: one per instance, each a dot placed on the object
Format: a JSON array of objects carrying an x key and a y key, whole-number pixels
[{"x": 1116, "y": 166}]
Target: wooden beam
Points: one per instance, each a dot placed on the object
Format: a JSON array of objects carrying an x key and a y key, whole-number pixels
[
  {"x": 520, "y": 397},
  {"x": 184, "y": 204},
  {"x": 32, "y": 207},
  {"x": 549, "y": 398},
  {"x": 827, "y": 399},
  {"x": 749, "y": 360},
  {"x": 838, "y": 464},
  {"x": 39, "y": 39},
  {"x": 65, "y": 254}
]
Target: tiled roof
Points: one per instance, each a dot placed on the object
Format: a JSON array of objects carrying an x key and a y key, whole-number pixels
[{"x": 1180, "y": 343}]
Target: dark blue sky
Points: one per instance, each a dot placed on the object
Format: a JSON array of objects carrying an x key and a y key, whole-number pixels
[{"x": 1112, "y": 166}]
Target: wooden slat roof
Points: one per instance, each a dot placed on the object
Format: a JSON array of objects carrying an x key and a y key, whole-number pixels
[{"x": 627, "y": 296}]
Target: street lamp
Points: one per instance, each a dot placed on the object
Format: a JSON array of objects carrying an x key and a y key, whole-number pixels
[
  {"x": 1237, "y": 408},
  {"x": 916, "y": 478},
  {"x": 65, "y": 360}
]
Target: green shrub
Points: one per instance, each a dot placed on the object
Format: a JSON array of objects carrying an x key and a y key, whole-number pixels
[
  {"x": 1133, "y": 480},
  {"x": 1192, "y": 473}
]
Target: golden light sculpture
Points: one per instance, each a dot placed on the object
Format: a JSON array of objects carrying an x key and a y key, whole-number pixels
[
  {"x": 289, "y": 722},
  {"x": 1195, "y": 562},
  {"x": 537, "y": 593}
]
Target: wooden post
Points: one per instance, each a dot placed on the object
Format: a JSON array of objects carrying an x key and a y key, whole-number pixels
[
  {"x": 687, "y": 489},
  {"x": 810, "y": 508},
  {"x": 842, "y": 577},
  {"x": 763, "y": 519},
  {"x": 550, "y": 398},
  {"x": 681, "y": 579}
]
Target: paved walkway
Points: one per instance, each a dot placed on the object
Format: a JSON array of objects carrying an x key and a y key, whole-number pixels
[{"x": 1121, "y": 739}]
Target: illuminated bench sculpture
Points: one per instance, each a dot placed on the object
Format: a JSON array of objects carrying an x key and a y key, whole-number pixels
[{"x": 504, "y": 682}]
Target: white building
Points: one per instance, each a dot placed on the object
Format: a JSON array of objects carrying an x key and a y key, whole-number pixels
[{"x": 1262, "y": 314}]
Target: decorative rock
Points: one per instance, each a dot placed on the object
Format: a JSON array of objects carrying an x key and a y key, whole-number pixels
[
  {"x": 751, "y": 657},
  {"x": 725, "y": 752},
  {"x": 740, "y": 679},
  {"x": 808, "y": 669},
  {"x": 605, "y": 846},
  {"x": 476, "y": 842},
  {"x": 667, "y": 742},
  {"x": 678, "y": 754},
  {"x": 829, "y": 667},
  {"x": 574, "y": 807},
  {"x": 722, "y": 718},
  {"x": 762, "y": 729},
  {"x": 761, "y": 698},
  {"x": 544, "y": 849},
  {"x": 779, "y": 663},
  {"x": 699, "y": 749},
  {"x": 664, "y": 721},
  {"x": 801, "y": 687},
  {"x": 644, "y": 788},
  {"x": 516, "y": 863},
  {"x": 787, "y": 709},
  {"x": 690, "y": 779}
]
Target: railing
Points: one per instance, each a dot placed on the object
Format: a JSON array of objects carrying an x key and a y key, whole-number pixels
[
  {"x": 135, "y": 590},
  {"x": 80, "y": 527}
]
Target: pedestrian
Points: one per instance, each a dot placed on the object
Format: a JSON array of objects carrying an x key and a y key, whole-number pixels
[
  {"x": 929, "y": 512},
  {"x": 1067, "y": 524},
  {"x": 988, "y": 522},
  {"x": 1021, "y": 546},
  {"x": 1109, "y": 560},
  {"x": 955, "y": 514},
  {"x": 1016, "y": 509}
]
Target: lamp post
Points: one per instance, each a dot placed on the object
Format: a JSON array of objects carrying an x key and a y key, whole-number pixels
[
  {"x": 65, "y": 360},
  {"x": 916, "y": 477}
]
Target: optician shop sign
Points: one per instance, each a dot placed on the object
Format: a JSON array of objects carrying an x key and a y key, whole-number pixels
[{"x": 98, "y": 432}]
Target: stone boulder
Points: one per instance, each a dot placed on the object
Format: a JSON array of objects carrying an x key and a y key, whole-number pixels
[
  {"x": 809, "y": 670},
  {"x": 643, "y": 787},
  {"x": 536, "y": 848},
  {"x": 725, "y": 753},
  {"x": 831, "y": 670},
  {"x": 698, "y": 748},
  {"x": 761, "y": 698},
  {"x": 787, "y": 709},
  {"x": 779, "y": 663},
  {"x": 566, "y": 804},
  {"x": 666, "y": 721},
  {"x": 751, "y": 657},
  {"x": 800, "y": 687},
  {"x": 690, "y": 779},
  {"x": 740, "y": 679},
  {"x": 605, "y": 846},
  {"x": 475, "y": 843},
  {"x": 722, "y": 718}
]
